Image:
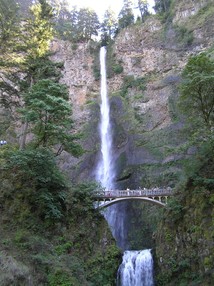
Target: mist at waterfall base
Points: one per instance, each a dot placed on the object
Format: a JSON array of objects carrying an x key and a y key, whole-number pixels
[{"x": 136, "y": 268}]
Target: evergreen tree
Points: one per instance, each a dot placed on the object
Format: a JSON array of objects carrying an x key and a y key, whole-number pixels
[
  {"x": 9, "y": 23},
  {"x": 162, "y": 6},
  {"x": 197, "y": 94},
  {"x": 109, "y": 25},
  {"x": 87, "y": 24},
  {"x": 126, "y": 15},
  {"x": 143, "y": 8},
  {"x": 66, "y": 23},
  {"x": 48, "y": 112}
]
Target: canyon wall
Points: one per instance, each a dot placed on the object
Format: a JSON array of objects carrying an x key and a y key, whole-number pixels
[{"x": 148, "y": 128}]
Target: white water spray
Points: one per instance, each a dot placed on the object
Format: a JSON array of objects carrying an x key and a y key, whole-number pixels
[
  {"x": 136, "y": 269},
  {"x": 105, "y": 169}
]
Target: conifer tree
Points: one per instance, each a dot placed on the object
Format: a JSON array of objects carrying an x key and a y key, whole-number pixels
[
  {"x": 87, "y": 24},
  {"x": 143, "y": 8},
  {"x": 162, "y": 6},
  {"x": 126, "y": 15},
  {"x": 9, "y": 23},
  {"x": 197, "y": 94}
]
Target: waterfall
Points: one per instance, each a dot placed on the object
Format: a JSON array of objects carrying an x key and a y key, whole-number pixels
[
  {"x": 105, "y": 172},
  {"x": 105, "y": 169},
  {"x": 136, "y": 269},
  {"x": 137, "y": 265}
]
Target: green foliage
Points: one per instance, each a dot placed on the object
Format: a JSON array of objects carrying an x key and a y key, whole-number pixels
[
  {"x": 200, "y": 168},
  {"x": 184, "y": 36},
  {"x": 37, "y": 189},
  {"x": 113, "y": 65},
  {"x": 61, "y": 278},
  {"x": 108, "y": 27},
  {"x": 64, "y": 247},
  {"x": 27, "y": 61},
  {"x": 197, "y": 92},
  {"x": 9, "y": 22},
  {"x": 117, "y": 68},
  {"x": 87, "y": 24},
  {"x": 175, "y": 209},
  {"x": 94, "y": 49},
  {"x": 102, "y": 268},
  {"x": 131, "y": 82},
  {"x": 48, "y": 110},
  {"x": 80, "y": 200},
  {"x": 193, "y": 202},
  {"x": 38, "y": 30},
  {"x": 77, "y": 25},
  {"x": 143, "y": 8},
  {"x": 162, "y": 6},
  {"x": 126, "y": 15}
]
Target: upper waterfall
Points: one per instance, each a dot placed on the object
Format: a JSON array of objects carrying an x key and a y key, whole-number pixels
[{"x": 105, "y": 168}]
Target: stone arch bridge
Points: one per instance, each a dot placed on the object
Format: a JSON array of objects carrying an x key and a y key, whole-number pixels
[{"x": 158, "y": 196}]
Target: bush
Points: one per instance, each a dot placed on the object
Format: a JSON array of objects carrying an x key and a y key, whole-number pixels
[
  {"x": 117, "y": 68},
  {"x": 131, "y": 82}
]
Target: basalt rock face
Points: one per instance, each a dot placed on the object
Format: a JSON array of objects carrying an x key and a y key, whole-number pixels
[{"x": 146, "y": 122}]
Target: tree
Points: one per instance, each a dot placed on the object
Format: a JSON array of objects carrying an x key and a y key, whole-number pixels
[
  {"x": 38, "y": 30},
  {"x": 197, "y": 92},
  {"x": 109, "y": 25},
  {"x": 48, "y": 112},
  {"x": 126, "y": 16},
  {"x": 66, "y": 21},
  {"x": 143, "y": 8},
  {"x": 87, "y": 24},
  {"x": 162, "y": 6},
  {"x": 9, "y": 22}
]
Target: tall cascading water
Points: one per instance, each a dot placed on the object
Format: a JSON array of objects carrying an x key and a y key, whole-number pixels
[
  {"x": 137, "y": 265},
  {"x": 105, "y": 170}
]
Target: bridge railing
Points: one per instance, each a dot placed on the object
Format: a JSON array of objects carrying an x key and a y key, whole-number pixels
[{"x": 134, "y": 193}]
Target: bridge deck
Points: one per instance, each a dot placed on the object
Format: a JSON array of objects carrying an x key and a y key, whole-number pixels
[{"x": 113, "y": 194}]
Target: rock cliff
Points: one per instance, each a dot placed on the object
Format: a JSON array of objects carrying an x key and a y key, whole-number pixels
[{"x": 146, "y": 122}]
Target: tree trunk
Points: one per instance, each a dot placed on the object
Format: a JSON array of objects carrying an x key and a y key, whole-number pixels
[
  {"x": 23, "y": 136},
  {"x": 24, "y": 127}
]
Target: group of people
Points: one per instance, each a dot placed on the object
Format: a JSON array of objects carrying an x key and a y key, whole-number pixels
[{"x": 3, "y": 142}]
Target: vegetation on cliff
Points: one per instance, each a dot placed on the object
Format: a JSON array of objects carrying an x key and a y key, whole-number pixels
[
  {"x": 45, "y": 233},
  {"x": 184, "y": 242},
  {"x": 185, "y": 238}
]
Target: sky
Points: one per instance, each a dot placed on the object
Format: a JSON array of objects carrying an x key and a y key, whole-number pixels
[{"x": 100, "y": 6}]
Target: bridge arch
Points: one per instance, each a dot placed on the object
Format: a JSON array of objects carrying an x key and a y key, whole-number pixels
[{"x": 118, "y": 200}]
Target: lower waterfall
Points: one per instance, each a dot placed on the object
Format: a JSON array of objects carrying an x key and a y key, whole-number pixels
[
  {"x": 137, "y": 266},
  {"x": 136, "y": 269}
]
